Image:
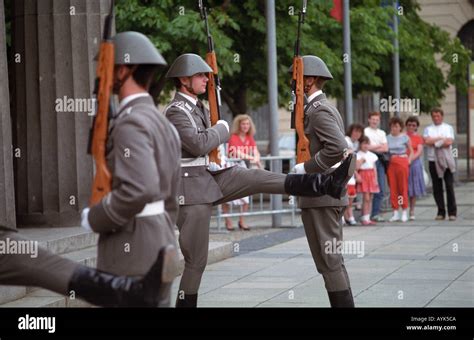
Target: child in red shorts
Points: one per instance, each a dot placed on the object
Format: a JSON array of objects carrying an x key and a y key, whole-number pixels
[{"x": 367, "y": 173}]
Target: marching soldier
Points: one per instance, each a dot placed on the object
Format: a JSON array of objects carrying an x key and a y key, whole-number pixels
[
  {"x": 322, "y": 215},
  {"x": 204, "y": 184},
  {"x": 41, "y": 268},
  {"x": 137, "y": 218}
]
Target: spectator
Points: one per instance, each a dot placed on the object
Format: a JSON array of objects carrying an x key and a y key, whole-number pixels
[
  {"x": 439, "y": 138},
  {"x": 368, "y": 185},
  {"x": 354, "y": 133},
  {"x": 416, "y": 181},
  {"x": 242, "y": 145},
  {"x": 378, "y": 145},
  {"x": 401, "y": 152}
]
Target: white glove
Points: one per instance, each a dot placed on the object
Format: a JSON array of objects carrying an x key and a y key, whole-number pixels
[
  {"x": 84, "y": 219},
  {"x": 213, "y": 166},
  {"x": 298, "y": 169},
  {"x": 223, "y": 122}
]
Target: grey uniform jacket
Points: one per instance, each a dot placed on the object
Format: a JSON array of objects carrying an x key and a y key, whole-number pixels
[
  {"x": 325, "y": 130},
  {"x": 143, "y": 155},
  {"x": 198, "y": 138}
]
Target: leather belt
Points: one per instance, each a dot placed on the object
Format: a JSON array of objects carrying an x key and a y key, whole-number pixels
[
  {"x": 199, "y": 161},
  {"x": 151, "y": 209},
  {"x": 401, "y": 155}
]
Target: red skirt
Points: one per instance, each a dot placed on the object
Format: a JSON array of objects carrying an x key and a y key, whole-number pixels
[{"x": 368, "y": 182}]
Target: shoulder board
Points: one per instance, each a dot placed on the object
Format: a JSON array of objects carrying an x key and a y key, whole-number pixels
[
  {"x": 178, "y": 104},
  {"x": 189, "y": 107},
  {"x": 186, "y": 108}
]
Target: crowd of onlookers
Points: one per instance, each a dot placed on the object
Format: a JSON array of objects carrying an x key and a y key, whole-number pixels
[{"x": 398, "y": 157}]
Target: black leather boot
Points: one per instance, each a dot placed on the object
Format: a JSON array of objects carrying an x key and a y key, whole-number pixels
[
  {"x": 316, "y": 185},
  {"x": 341, "y": 299},
  {"x": 107, "y": 290},
  {"x": 189, "y": 301}
]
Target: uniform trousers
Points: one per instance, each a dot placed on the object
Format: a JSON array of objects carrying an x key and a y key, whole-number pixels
[
  {"x": 46, "y": 270},
  {"x": 323, "y": 230},
  {"x": 193, "y": 220}
]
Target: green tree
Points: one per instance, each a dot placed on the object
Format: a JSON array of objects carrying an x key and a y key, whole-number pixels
[
  {"x": 239, "y": 31},
  {"x": 420, "y": 46}
]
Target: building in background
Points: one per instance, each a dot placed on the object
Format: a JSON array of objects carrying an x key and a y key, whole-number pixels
[
  {"x": 45, "y": 171},
  {"x": 457, "y": 18}
]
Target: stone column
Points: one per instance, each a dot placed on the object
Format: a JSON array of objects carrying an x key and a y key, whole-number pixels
[
  {"x": 470, "y": 120},
  {"x": 7, "y": 195},
  {"x": 57, "y": 41}
]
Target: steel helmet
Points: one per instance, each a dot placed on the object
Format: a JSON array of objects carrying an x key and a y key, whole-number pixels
[
  {"x": 135, "y": 48},
  {"x": 187, "y": 65},
  {"x": 314, "y": 66}
]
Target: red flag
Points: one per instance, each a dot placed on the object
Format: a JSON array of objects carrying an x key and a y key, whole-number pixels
[{"x": 336, "y": 11}]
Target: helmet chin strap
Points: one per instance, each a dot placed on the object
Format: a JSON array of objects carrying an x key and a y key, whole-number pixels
[
  {"x": 190, "y": 88},
  {"x": 307, "y": 88},
  {"x": 119, "y": 83}
]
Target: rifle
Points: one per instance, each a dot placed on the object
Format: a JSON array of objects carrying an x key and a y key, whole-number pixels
[
  {"x": 297, "y": 89},
  {"x": 214, "y": 84},
  {"x": 98, "y": 134}
]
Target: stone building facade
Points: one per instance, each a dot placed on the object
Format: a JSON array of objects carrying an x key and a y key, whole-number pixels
[{"x": 45, "y": 172}]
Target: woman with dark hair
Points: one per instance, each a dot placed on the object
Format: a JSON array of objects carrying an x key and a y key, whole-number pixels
[
  {"x": 353, "y": 135},
  {"x": 401, "y": 152},
  {"x": 416, "y": 182}
]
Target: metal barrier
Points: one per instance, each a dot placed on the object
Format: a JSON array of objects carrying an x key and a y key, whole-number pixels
[{"x": 273, "y": 163}]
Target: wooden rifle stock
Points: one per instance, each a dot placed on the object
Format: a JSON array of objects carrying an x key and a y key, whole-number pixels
[
  {"x": 105, "y": 71},
  {"x": 213, "y": 85},
  {"x": 297, "y": 117},
  {"x": 302, "y": 148},
  {"x": 213, "y": 103}
]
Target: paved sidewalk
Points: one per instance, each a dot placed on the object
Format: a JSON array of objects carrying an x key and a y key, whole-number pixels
[{"x": 424, "y": 263}]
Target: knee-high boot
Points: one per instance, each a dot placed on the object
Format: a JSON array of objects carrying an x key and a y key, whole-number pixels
[
  {"x": 107, "y": 290},
  {"x": 317, "y": 184}
]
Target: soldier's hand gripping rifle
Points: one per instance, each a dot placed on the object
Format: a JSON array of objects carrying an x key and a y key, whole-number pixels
[
  {"x": 297, "y": 115},
  {"x": 214, "y": 84},
  {"x": 103, "y": 91}
]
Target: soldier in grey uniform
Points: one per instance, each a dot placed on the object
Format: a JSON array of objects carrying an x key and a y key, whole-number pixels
[
  {"x": 24, "y": 264},
  {"x": 322, "y": 215},
  {"x": 204, "y": 184},
  {"x": 137, "y": 218}
]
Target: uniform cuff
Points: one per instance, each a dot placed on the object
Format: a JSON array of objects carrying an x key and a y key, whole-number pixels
[
  {"x": 224, "y": 135},
  {"x": 100, "y": 221}
]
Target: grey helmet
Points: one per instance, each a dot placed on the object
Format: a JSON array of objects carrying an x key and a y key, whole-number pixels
[
  {"x": 135, "y": 48},
  {"x": 314, "y": 66},
  {"x": 187, "y": 65}
]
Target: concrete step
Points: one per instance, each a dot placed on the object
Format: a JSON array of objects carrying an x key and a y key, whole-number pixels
[
  {"x": 44, "y": 298},
  {"x": 61, "y": 240}
]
